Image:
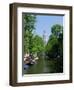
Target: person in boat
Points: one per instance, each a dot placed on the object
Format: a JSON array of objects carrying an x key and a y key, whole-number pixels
[
  {"x": 30, "y": 59},
  {"x": 31, "y": 56}
]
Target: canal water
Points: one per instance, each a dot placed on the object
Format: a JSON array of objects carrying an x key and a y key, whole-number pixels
[{"x": 45, "y": 66}]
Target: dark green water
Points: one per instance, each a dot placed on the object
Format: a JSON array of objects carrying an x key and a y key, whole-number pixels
[{"x": 45, "y": 66}]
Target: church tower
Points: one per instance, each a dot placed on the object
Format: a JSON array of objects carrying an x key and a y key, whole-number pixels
[{"x": 44, "y": 37}]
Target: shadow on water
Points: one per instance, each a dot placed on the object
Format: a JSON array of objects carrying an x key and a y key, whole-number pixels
[{"x": 45, "y": 66}]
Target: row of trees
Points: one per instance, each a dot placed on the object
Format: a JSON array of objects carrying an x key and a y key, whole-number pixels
[
  {"x": 35, "y": 44},
  {"x": 32, "y": 43},
  {"x": 54, "y": 47}
]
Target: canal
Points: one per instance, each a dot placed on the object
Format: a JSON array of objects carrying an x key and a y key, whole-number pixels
[{"x": 45, "y": 66}]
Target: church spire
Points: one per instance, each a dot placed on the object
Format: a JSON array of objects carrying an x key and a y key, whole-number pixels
[{"x": 44, "y": 36}]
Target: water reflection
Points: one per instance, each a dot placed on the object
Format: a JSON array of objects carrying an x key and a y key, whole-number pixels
[{"x": 45, "y": 66}]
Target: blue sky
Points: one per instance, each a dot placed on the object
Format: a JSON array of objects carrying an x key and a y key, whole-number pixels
[{"x": 45, "y": 22}]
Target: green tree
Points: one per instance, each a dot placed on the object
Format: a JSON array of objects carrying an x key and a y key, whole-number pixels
[
  {"x": 29, "y": 26},
  {"x": 56, "y": 30},
  {"x": 38, "y": 44},
  {"x": 54, "y": 47}
]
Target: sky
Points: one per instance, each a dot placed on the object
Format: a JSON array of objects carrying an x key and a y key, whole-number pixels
[{"x": 45, "y": 22}]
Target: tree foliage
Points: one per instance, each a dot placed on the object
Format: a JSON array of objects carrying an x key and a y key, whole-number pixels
[
  {"x": 54, "y": 47},
  {"x": 32, "y": 43},
  {"x": 29, "y": 26},
  {"x": 38, "y": 44}
]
